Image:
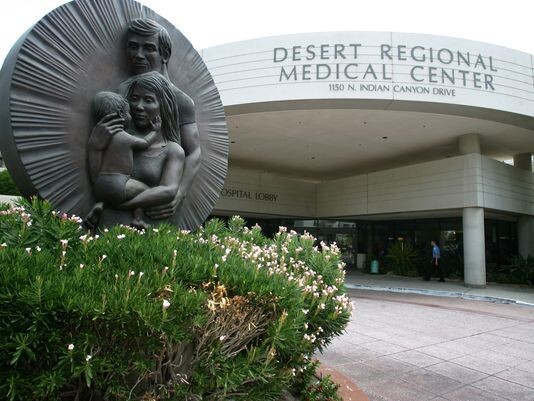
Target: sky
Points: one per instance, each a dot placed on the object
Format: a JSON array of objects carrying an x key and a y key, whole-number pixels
[{"x": 212, "y": 22}]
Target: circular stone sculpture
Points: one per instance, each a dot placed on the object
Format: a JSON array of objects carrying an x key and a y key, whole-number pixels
[{"x": 47, "y": 86}]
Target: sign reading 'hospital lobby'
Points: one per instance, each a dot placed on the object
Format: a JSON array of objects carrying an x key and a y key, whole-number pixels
[{"x": 348, "y": 62}]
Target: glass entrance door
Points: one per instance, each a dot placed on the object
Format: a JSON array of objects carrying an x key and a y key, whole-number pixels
[{"x": 346, "y": 242}]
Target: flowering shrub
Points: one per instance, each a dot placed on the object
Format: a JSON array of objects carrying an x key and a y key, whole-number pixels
[
  {"x": 223, "y": 313},
  {"x": 313, "y": 388},
  {"x": 323, "y": 390}
]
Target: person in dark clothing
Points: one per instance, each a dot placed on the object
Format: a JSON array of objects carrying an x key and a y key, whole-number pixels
[{"x": 435, "y": 264}]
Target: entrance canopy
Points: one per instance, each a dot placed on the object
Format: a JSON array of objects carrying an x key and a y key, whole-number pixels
[
  {"x": 323, "y": 144},
  {"x": 322, "y": 106}
]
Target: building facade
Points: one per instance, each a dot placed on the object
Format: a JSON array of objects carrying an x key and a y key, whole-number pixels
[{"x": 369, "y": 138}]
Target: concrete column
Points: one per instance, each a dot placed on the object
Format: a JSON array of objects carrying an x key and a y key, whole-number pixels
[
  {"x": 469, "y": 143},
  {"x": 474, "y": 247},
  {"x": 525, "y": 235},
  {"x": 523, "y": 161}
]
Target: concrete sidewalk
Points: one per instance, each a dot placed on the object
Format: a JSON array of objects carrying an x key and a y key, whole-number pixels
[
  {"x": 499, "y": 293},
  {"x": 409, "y": 347}
]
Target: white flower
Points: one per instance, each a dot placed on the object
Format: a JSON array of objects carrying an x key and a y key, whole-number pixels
[
  {"x": 38, "y": 248},
  {"x": 155, "y": 230},
  {"x": 131, "y": 273},
  {"x": 70, "y": 347},
  {"x": 64, "y": 242},
  {"x": 141, "y": 274},
  {"x": 88, "y": 358},
  {"x": 166, "y": 304},
  {"x": 221, "y": 338},
  {"x": 121, "y": 236},
  {"x": 29, "y": 250},
  {"x": 82, "y": 265}
]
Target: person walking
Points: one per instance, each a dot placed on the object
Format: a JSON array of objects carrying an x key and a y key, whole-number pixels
[{"x": 435, "y": 264}]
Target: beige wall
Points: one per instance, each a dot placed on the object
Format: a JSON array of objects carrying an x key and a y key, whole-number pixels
[
  {"x": 441, "y": 184},
  {"x": 464, "y": 181},
  {"x": 265, "y": 194},
  {"x": 454, "y": 183},
  {"x": 8, "y": 199},
  {"x": 507, "y": 188}
]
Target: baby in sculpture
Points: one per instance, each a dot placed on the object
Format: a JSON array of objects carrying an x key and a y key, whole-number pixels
[{"x": 112, "y": 167}]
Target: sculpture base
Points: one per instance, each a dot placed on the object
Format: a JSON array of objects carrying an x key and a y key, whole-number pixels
[{"x": 111, "y": 217}]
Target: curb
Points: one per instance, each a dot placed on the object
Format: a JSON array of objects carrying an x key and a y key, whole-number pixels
[
  {"x": 437, "y": 293},
  {"x": 348, "y": 390}
]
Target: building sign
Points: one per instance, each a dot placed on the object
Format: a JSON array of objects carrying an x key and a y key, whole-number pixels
[
  {"x": 374, "y": 65},
  {"x": 342, "y": 62},
  {"x": 250, "y": 195}
]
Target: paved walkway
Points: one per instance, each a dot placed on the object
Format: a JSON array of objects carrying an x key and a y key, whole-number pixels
[
  {"x": 406, "y": 346},
  {"x": 492, "y": 293}
]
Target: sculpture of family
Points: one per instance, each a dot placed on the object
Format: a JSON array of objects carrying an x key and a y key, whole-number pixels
[{"x": 144, "y": 151}]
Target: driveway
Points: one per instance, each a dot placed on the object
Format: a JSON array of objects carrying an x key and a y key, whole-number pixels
[{"x": 405, "y": 347}]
